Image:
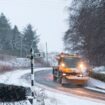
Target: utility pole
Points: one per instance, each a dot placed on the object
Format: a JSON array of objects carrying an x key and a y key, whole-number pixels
[
  {"x": 21, "y": 46},
  {"x": 32, "y": 75},
  {"x": 46, "y": 54}
]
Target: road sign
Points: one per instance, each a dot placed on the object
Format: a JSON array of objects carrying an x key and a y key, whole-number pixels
[{"x": 39, "y": 55}]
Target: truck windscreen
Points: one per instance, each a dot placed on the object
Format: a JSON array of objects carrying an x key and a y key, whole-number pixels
[{"x": 71, "y": 62}]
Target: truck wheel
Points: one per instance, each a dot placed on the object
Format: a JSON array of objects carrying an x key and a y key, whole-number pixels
[
  {"x": 54, "y": 75},
  {"x": 60, "y": 81},
  {"x": 53, "y": 71}
]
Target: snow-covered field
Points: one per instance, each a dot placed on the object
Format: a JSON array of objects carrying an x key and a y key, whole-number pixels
[
  {"x": 52, "y": 97},
  {"x": 18, "y": 63}
]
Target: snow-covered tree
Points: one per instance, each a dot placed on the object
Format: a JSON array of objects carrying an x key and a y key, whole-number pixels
[
  {"x": 5, "y": 32},
  {"x": 30, "y": 39}
]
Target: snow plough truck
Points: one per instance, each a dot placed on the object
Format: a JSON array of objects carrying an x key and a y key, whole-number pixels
[{"x": 71, "y": 68}]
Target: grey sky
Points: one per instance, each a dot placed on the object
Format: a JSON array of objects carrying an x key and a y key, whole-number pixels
[{"x": 48, "y": 17}]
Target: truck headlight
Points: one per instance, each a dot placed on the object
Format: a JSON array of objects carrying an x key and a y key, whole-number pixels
[
  {"x": 62, "y": 65},
  {"x": 82, "y": 66}
]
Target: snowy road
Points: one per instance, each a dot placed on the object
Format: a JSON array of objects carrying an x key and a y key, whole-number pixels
[{"x": 45, "y": 78}]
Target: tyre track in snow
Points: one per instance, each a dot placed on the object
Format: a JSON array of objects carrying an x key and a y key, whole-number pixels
[{"x": 45, "y": 77}]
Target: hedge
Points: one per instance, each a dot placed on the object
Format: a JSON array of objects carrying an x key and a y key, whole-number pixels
[{"x": 10, "y": 93}]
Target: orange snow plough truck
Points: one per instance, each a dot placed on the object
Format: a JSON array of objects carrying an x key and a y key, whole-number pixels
[{"x": 71, "y": 69}]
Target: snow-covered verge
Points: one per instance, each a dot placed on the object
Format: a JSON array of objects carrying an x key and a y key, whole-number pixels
[
  {"x": 17, "y": 63},
  {"x": 96, "y": 83},
  {"x": 98, "y": 73},
  {"x": 96, "y": 89},
  {"x": 20, "y": 62},
  {"x": 52, "y": 97},
  {"x": 100, "y": 69},
  {"x": 16, "y": 103}
]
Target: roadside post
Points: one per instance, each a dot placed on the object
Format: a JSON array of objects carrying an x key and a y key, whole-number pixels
[
  {"x": 32, "y": 57},
  {"x": 32, "y": 75}
]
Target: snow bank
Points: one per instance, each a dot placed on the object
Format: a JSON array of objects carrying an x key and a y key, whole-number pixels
[
  {"x": 96, "y": 89},
  {"x": 16, "y": 62},
  {"x": 20, "y": 62},
  {"x": 16, "y": 103},
  {"x": 100, "y": 69},
  {"x": 96, "y": 83}
]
